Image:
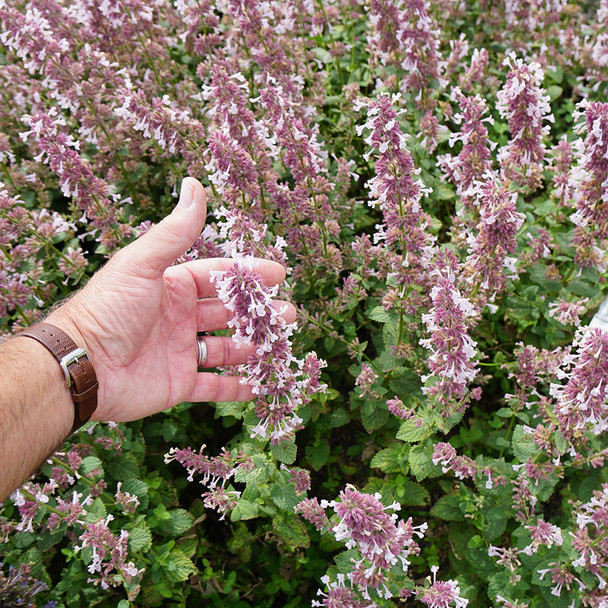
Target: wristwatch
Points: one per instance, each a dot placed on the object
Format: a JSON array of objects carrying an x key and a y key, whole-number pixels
[{"x": 77, "y": 368}]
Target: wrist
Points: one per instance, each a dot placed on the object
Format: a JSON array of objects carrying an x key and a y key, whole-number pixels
[
  {"x": 74, "y": 362},
  {"x": 66, "y": 321}
]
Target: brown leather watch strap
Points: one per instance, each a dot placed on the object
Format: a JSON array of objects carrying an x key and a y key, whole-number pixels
[{"x": 76, "y": 365}]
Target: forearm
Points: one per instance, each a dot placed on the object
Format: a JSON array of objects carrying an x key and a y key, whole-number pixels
[{"x": 36, "y": 410}]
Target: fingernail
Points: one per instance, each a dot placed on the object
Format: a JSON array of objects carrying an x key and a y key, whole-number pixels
[{"x": 186, "y": 195}]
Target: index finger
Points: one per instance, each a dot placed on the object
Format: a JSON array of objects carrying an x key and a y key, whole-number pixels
[{"x": 272, "y": 273}]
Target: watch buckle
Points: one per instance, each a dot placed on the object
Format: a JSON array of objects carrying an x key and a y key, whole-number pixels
[{"x": 70, "y": 358}]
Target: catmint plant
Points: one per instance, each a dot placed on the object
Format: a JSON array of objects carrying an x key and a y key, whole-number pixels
[{"x": 432, "y": 174}]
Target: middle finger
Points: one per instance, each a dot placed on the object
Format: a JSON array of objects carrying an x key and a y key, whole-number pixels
[{"x": 211, "y": 314}]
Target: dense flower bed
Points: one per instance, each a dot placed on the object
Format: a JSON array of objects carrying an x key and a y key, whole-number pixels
[{"x": 434, "y": 174}]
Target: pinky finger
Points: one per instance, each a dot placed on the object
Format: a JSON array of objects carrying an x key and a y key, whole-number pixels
[{"x": 213, "y": 387}]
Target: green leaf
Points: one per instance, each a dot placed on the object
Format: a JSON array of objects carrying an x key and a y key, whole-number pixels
[
  {"x": 291, "y": 530},
  {"x": 543, "y": 489},
  {"x": 140, "y": 538},
  {"x": 178, "y": 567},
  {"x": 260, "y": 471},
  {"x": 556, "y": 74},
  {"x": 443, "y": 192},
  {"x": 413, "y": 494},
  {"x": 344, "y": 561},
  {"x": 285, "y": 452},
  {"x": 283, "y": 495},
  {"x": 96, "y": 512},
  {"x": 138, "y": 488},
  {"x": 421, "y": 464},
  {"x": 229, "y": 408},
  {"x": 339, "y": 417},
  {"x": 374, "y": 414},
  {"x": 245, "y": 509},
  {"x": 34, "y": 558},
  {"x": 380, "y": 314},
  {"x": 554, "y": 91},
  {"x": 390, "y": 332},
  {"x": 187, "y": 546},
  {"x": 583, "y": 288},
  {"x": 448, "y": 508},
  {"x": 170, "y": 429},
  {"x": 387, "y": 361},
  {"x": 317, "y": 454},
  {"x": 391, "y": 460},
  {"x": 523, "y": 446},
  {"x": 407, "y": 386},
  {"x": 496, "y": 522},
  {"x": 179, "y": 522},
  {"x": 414, "y": 430},
  {"x": 124, "y": 467},
  {"x": 90, "y": 463}
]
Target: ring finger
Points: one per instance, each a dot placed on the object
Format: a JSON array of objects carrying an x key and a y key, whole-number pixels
[{"x": 222, "y": 352}]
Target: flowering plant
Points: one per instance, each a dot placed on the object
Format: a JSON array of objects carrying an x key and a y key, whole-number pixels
[{"x": 434, "y": 176}]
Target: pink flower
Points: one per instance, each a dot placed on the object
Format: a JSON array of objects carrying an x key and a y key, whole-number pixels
[
  {"x": 281, "y": 382},
  {"x": 506, "y": 557},
  {"x": 366, "y": 381},
  {"x": 474, "y": 160},
  {"x": 382, "y": 539},
  {"x": 561, "y": 575},
  {"x": 589, "y": 540},
  {"x": 338, "y": 595},
  {"x": 488, "y": 262},
  {"x": 589, "y": 182},
  {"x": 94, "y": 196},
  {"x": 451, "y": 362},
  {"x": 312, "y": 511},
  {"x": 475, "y": 72},
  {"x": 462, "y": 466},
  {"x": 441, "y": 594},
  {"x": 406, "y": 34},
  {"x": 562, "y": 155},
  {"x": 109, "y": 554},
  {"x": 397, "y": 191},
  {"x": 300, "y": 478},
  {"x": 526, "y": 106},
  {"x": 581, "y": 402},
  {"x": 568, "y": 313},
  {"x": 397, "y": 408},
  {"x": 510, "y": 603},
  {"x": 430, "y": 131},
  {"x": 543, "y": 534},
  {"x": 214, "y": 470}
]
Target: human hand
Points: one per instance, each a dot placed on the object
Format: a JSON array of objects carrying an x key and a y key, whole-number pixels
[{"x": 138, "y": 318}]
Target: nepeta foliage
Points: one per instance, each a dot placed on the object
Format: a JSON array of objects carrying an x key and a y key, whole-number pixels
[{"x": 434, "y": 175}]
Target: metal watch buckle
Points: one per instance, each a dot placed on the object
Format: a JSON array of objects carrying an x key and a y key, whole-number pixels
[{"x": 70, "y": 358}]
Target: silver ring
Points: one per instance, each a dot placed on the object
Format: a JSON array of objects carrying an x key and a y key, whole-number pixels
[{"x": 201, "y": 351}]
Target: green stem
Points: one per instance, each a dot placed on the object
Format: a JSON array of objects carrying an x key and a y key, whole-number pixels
[
  {"x": 109, "y": 498},
  {"x": 8, "y": 175},
  {"x": 508, "y": 438}
]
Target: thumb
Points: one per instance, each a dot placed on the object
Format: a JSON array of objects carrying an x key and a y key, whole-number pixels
[{"x": 176, "y": 233}]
